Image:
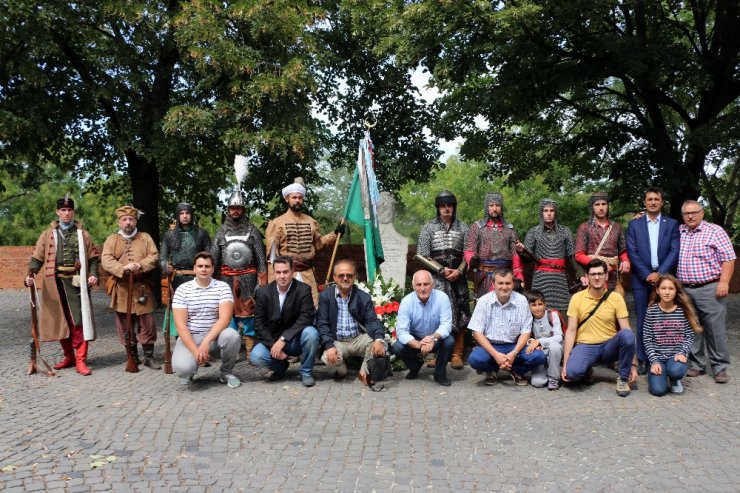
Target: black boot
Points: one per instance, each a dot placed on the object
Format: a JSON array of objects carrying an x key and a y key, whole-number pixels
[
  {"x": 149, "y": 360},
  {"x": 135, "y": 352}
]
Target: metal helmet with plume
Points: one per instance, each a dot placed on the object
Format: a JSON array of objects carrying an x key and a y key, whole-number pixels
[{"x": 241, "y": 167}]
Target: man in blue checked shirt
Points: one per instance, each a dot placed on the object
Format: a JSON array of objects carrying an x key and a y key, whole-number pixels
[
  {"x": 423, "y": 326},
  {"x": 347, "y": 323},
  {"x": 502, "y": 325}
]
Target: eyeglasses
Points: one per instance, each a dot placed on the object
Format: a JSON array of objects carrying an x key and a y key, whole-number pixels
[
  {"x": 344, "y": 276},
  {"x": 596, "y": 274},
  {"x": 691, "y": 213}
]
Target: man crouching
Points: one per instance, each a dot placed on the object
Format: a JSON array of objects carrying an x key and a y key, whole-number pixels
[{"x": 202, "y": 309}]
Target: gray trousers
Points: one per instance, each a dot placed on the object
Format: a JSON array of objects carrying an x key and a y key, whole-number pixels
[
  {"x": 712, "y": 342},
  {"x": 554, "y": 353},
  {"x": 183, "y": 361},
  {"x": 359, "y": 345}
]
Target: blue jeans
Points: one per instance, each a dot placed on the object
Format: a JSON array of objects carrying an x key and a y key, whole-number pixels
[
  {"x": 621, "y": 347},
  {"x": 305, "y": 345},
  {"x": 481, "y": 360},
  {"x": 658, "y": 384},
  {"x": 410, "y": 356}
]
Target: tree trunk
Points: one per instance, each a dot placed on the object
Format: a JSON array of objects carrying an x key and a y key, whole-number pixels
[
  {"x": 685, "y": 181},
  {"x": 145, "y": 190}
]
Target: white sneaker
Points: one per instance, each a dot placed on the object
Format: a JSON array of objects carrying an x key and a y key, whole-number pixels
[
  {"x": 186, "y": 381},
  {"x": 230, "y": 380},
  {"x": 677, "y": 387}
]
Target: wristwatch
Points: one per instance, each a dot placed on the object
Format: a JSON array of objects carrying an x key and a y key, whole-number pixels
[{"x": 283, "y": 339}]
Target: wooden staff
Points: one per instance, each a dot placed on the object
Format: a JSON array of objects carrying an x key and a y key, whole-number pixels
[
  {"x": 35, "y": 346},
  {"x": 333, "y": 256},
  {"x": 131, "y": 365},
  {"x": 168, "y": 319}
]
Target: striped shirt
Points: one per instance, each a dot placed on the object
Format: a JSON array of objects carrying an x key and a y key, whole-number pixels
[
  {"x": 346, "y": 325},
  {"x": 702, "y": 252},
  {"x": 666, "y": 334},
  {"x": 202, "y": 303},
  {"x": 502, "y": 324}
]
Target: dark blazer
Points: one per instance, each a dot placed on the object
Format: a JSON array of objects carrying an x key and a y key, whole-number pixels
[
  {"x": 361, "y": 309},
  {"x": 297, "y": 314},
  {"x": 638, "y": 249}
]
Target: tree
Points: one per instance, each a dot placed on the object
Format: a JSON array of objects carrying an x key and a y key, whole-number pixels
[
  {"x": 164, "y": 92},
  {"x": 359, "y": 82},
  {"x": 25, "y": 213},
  {"x": 628, "y": 93}
]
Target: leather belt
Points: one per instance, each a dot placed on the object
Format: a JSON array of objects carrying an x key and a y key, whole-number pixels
[{"x": 699, "y": 284}]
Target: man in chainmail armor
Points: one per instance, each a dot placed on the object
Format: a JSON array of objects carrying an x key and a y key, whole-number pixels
[
  {"x": 442, "y": 240},
  {"x": 180, "y": 245},
  {"x": 491, "y": 245},
  {"x": 552, "y": 246},
  {"x": 239, "y": 260}
]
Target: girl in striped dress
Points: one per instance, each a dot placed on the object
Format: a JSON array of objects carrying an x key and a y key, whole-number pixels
[{"x": 669, "y": 327}]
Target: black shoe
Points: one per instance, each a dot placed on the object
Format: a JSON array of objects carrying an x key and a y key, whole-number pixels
[
  {"x": 276, "y": 376},
  {"x": 642, "y": 368},
  {"x": 442, "y": 380},
  {"x": 412, "y": 374}
]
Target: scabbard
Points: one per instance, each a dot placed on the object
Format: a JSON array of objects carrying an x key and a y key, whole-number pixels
[{"x": 430, "y": 264}]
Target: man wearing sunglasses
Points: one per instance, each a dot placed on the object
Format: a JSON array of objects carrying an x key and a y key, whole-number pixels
[
  {"x": 705, "y": 265},
  {"x": 347, "y": 323}
]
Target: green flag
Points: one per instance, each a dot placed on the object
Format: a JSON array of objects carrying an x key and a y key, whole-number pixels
[{"x": 361, "y": 206}]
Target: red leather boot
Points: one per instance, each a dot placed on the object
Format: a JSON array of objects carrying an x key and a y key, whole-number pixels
[
  {"x": 69, "y": 355},
  {"x": 82, "y": 368}
]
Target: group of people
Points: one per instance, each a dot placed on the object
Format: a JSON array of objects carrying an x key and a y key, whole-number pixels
[{"x": 239, "y": 287}]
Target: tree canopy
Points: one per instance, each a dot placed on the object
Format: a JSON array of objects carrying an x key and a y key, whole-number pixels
[
  {"x": 630, "y": 93},
  {"x": 168, "y": 92}
]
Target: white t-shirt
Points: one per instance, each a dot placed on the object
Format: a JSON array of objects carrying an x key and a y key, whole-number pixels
[{"x": 202, "y": 303}]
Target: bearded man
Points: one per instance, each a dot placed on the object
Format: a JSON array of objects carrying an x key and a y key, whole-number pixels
[
  {"x": 239, "y": 260},
  {"x": 602, "y": 238},
  {"x": 298, "y": 236},
  {"x": 130, "y": 252},
  {"x": 442, "y": 240},
  {"x": 551, "y": 245},
  {"x": 70, "y": 261},
  {"x": 491, "y": 245},
  {"x": 181, "y": 244}
]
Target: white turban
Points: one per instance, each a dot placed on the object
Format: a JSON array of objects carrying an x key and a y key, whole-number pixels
[{"x": 294, "y": 188}]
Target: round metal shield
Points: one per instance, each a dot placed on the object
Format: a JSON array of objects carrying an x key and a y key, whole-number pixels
[{"x": 236, "y": 254}]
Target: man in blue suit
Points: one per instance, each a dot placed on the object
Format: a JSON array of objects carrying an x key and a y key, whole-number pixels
[{"x": 653, "y": 242}]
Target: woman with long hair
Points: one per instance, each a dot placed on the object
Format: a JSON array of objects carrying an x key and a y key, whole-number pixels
[{"x": 668, "y": 331}]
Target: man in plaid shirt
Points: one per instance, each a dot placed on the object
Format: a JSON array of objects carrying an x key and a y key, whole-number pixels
[{"x": 705, "y": 265}]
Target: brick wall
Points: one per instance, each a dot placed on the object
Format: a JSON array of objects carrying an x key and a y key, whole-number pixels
[{"x": 14, "y": 265}]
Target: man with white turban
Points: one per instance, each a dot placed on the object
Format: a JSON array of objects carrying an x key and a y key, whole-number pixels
[{"x": 297, "y": 235}]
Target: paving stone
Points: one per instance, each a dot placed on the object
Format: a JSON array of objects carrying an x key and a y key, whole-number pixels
[{"x": 412, "y": 436}]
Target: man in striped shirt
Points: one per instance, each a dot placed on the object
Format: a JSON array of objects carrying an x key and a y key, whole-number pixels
[
  {"x": 706, "y": 262},
  {"x": 202, "y": 309}
]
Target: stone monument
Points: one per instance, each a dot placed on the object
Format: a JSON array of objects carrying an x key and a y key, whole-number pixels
[{"x": 395, "y": 245}]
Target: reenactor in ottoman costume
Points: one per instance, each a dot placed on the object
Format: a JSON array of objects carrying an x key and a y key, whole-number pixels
[
  {"x": 298, "y": 236},
  {"x": 239, "y": 261},
  {"x": 130, "y": 252},
  {"x": 551, "y": 247},
  {"x": 491, "y": 245},
  {"x": 181, "y": 244},
  {"x": 440, "y": 248},
  {"x": 69, "y": 260},
  {"x": 602, "y": 238}
]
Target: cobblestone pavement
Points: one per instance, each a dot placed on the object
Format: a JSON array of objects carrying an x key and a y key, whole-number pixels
[{"x": 154, "y": 435}]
